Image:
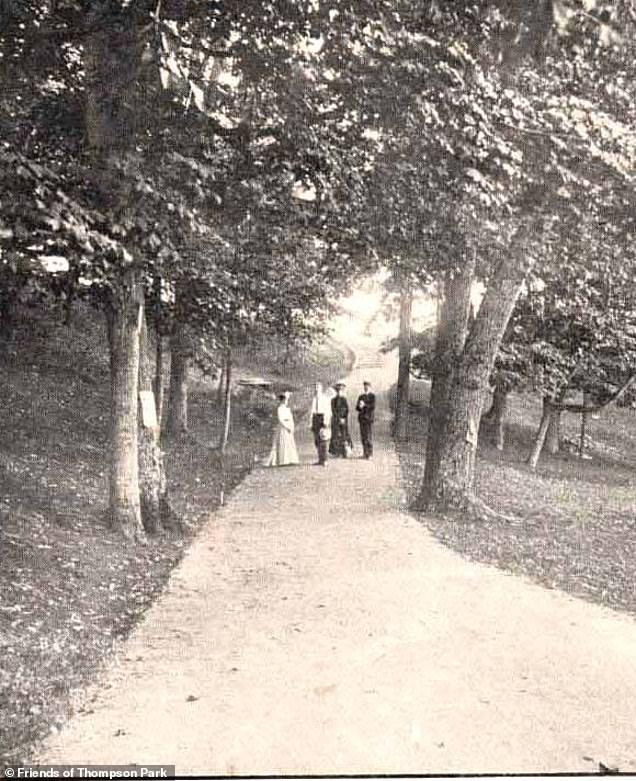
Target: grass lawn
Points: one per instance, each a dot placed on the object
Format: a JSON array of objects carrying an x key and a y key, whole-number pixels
[
  {"x": 575, "y": 520},
  {"x": 70, "y": 589}
]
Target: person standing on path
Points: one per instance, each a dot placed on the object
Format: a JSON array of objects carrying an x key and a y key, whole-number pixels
[
  {"x": 324, "y": 435},
  {"x": 366, "y": 414},
  {"x": 320, "y": 416},
  {"x": 340, "y": 438},
  {"x": 283, "y": 452}
]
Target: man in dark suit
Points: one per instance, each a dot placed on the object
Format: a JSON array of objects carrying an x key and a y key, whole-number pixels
[{"x": 366, "y": 412}]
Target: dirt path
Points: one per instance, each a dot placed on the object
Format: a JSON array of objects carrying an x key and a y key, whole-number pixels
[{"x": 315, "y": 628}]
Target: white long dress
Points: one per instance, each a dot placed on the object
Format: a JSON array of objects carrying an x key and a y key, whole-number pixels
[{"x": 284, "y": 445}]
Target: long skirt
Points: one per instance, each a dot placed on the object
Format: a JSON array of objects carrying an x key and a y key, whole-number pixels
[
  {"x": 283, "y": 450},
  {"x": 340, "y": 438}
]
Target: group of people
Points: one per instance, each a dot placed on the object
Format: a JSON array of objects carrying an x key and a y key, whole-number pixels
[{"x": 329, "y": 420}]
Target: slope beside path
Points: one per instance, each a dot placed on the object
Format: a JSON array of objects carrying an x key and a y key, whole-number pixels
[{"x": 315, "y": 627}]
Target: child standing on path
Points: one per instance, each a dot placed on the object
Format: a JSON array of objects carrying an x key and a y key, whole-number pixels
[
  {"x": 323, "y": 443},
  {"x": 319, "y": 414}
]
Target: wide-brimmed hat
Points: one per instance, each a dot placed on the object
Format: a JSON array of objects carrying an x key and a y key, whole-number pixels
[{"x": 340, "y": 384}]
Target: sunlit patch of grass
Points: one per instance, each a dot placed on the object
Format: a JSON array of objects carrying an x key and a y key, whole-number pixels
[{"x": 576, "y": 519}]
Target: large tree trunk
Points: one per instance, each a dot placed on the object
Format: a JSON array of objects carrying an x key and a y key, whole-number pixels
[
  {"x": 452, "y": 322},
  {"x": 153, "y": 486},
  {"x": 404, "y": 364},
  {"x": 449, "y": 483},
  {"x": 496, "y": 415},
  {"x": 124, "y": 314},
  {"x": 179, "y": 362},
  {"x": 113, "y": 66}
]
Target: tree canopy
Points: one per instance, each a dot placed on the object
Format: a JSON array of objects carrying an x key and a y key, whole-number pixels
[{"x": 259, "y": 156}]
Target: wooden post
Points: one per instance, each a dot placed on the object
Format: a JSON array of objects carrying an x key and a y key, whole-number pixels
[{"x": 227, "y": 402}]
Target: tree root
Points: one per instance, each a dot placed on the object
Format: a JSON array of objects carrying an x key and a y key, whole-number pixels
[
  {"x": 478, "y": 510},
  {"x": 470, "y": 508},
  {"x": 170, "y": 521}
]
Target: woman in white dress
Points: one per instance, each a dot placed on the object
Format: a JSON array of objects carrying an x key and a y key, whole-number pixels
[{"x": 283, "y": 451}]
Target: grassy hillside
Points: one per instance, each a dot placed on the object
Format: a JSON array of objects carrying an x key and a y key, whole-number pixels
[
  {"x": 575, "y": 519},
  {"x": 69, "y": 588}
]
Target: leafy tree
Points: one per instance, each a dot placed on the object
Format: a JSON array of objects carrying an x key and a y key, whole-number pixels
[
  {"x": 504, "y": 121},
  {"x": 255, "y": 102},
  {"x": 574, "y": 332},
  {"x": 235, "y": 94}
]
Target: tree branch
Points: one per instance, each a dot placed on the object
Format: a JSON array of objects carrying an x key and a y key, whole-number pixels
[{"x": 583, "y": 408}]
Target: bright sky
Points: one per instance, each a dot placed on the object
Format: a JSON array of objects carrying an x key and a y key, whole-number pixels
[{"x": 368, "y": 300}]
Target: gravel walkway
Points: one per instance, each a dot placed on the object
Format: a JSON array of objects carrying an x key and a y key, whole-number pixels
[{"x": 313, "y": 627}]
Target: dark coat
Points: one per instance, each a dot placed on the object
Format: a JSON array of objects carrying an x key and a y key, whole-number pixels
[
  {"x": 339, "y": 430},
  {"x": 366, "y": 413},
  {"x": 339, "y": 408}
]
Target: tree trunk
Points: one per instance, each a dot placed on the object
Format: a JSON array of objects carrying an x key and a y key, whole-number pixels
[
  {"x": 153, "y": 486},
  {"x": 227, "y": 403},
  {"x": 160, "y": 370},
  {"x": 452, "y": 484},
  {"x": 496, "y": 415},
  {"x": 451, "y": 336},
  {"x": 124, "y": 325},
  {"x": 553, "y": 434},
  {"x": 542, "y": 432},
  {"x": 220, "y": 388},
  {"x": 582, "y": 434},
  {"x": 587, "y": 400},
  {"x": 157, "y": 384},
  {"x": 449, "y": 483},
  {"x": 71, "y": 284},
  {"x": 6, "y": 307},
  {"x": 113, "y": 67},
  {"x": 404, "y": 364},
  {"x": 11, "y": 283},
  {"x": 178, "y": 402}
]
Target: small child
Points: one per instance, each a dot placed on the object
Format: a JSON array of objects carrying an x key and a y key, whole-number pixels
[{"x": 323, "y": 443}]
